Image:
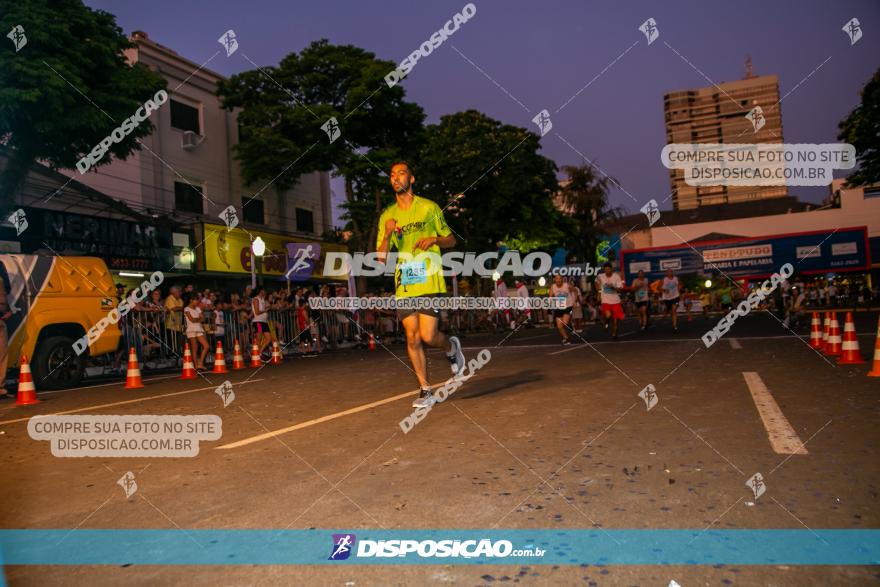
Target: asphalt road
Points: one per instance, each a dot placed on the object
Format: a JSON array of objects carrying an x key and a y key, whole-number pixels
[{"x": 543, "y": 436}]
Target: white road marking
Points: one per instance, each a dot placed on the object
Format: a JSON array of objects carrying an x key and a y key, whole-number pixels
[
  {"x": 131, "y": 401},
  {"x": 306, "y": 424},
  {"x": 734, "y": 343},
  {"x": 39, "y": 393},
  {"x": 783, "y": 438}
]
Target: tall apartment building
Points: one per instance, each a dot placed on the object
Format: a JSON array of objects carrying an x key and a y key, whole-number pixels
[{"x": 717, "y": 114}]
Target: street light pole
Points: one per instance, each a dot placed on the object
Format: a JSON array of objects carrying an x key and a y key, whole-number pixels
[{"x": 258, "y": 247}]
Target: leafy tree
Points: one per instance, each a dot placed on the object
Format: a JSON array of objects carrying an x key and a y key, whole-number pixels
[
  {"x": 283, "y": 108},
  {"x": 494, "y": 184},
  {"x": 584, "y": 195},
  {"x": 862, "y": 129},
  {"x": 41, "y": 116}
]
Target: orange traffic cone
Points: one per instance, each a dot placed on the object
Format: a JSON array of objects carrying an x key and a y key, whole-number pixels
[
  {"x": 875, "y": 370},
  {"x": 255, "y": 355},
  {"x": 189, "y": 369},
  {"x": 133, "y": 375},
  {"x": 834, "y": 341},
  {"x": 276, "y": 353},
  {"x": 816, "y": 332},
  {"x": 372, "y": 344},
  {"x": 850, "y": 349},
  {"x": 826, "y": 324},
  {"x": 237, "y": 357},
  {"x": 219, "y": 360},
  {"x": 27, "y": 393}
]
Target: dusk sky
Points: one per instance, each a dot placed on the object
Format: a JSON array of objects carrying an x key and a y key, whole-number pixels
[{"x": 543, "y": 54}]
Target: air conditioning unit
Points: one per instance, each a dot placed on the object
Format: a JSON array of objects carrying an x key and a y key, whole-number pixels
[{"x": 191, "y": 140}]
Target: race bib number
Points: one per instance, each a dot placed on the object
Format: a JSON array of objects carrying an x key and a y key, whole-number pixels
[{"x": 413, "y": 273}]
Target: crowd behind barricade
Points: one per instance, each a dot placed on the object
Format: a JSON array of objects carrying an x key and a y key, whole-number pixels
[{"x": 159, "y": 326}]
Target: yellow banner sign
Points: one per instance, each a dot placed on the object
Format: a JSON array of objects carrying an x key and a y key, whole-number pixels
[{"x": 229, "y": 251}]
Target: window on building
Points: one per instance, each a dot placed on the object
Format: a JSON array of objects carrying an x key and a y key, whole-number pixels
[
  {"x": 252, "y": 210},
  {"x": 873, "y": 192},
  {"x": 185, "y": 117},
  {"x": 305, "y": 220},
  {"x": 188, "y": 197}
]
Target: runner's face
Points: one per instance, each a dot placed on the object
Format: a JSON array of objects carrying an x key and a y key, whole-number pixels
[
  {"x": 608, "y": 271},
  {"x": 558, "y": 280},
  {"x": 401, "y": 179}
]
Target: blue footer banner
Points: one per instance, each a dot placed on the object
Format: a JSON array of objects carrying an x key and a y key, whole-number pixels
[{"x": 486, "y": 547}]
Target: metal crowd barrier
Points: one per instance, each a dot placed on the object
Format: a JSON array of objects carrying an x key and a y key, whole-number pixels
[{"x": 158, "y": 336}]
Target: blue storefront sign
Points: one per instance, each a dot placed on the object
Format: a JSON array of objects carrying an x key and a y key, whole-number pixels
[{"x": 752, "y": 257}]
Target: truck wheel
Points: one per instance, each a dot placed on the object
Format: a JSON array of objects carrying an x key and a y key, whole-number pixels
[{"x": 55, "y": 365}]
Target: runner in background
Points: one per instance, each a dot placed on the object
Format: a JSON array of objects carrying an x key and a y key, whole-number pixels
[
  {"x": 609, "y": 284},
  {"x": 522, "y": 292},
  {"x": 561, "y": 290},
  {"x": 671, "y": 293},
  {"x": 640, "y": 291}
]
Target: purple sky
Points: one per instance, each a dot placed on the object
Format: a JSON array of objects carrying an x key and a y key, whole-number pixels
[{"x": 543, "y": 54}]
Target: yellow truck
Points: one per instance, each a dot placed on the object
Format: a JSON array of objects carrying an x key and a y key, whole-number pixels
[{"x": 55, "y": 301}]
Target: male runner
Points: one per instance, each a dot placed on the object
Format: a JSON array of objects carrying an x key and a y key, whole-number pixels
[
  {"x": 414, "y": 226},
  {"x": 640, "y": 290},
  {"x": 671, "y": 293},
  {"x": 610, "y": 285}
]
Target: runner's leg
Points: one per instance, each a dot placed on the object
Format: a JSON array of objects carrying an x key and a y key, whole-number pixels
[
  {"x": 415, "y": 350},
  {"x": 429, "y": 331}
]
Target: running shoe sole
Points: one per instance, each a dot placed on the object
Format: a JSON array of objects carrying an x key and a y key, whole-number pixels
[{"x": 457, "y": 363}]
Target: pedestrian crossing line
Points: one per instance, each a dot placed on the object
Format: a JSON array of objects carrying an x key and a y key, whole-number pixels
[{"x": 783, "y": 439}]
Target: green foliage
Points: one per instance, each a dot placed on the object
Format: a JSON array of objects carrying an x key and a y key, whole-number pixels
[
  {"x": 282, "y": 108},
  {"x": 42, "y": 116},
  {"x": 585, "y": 196},
  {"x": 506, "y": 185},
  {"x": 862, "y": 129}
]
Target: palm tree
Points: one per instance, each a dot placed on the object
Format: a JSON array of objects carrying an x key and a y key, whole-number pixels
[{"x": 584, "y": 197}]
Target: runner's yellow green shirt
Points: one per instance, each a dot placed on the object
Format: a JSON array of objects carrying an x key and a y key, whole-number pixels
[{"x": 421, "y": 220}]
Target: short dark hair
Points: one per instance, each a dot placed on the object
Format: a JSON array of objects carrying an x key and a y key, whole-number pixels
[
  {"x": 401, "y": 162},
  {"x": 607, "y": 264}
]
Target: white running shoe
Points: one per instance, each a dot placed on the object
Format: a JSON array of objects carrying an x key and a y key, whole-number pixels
[
  {"x": 425, "y": 399},
  {"x": 456, "y": 356}
]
